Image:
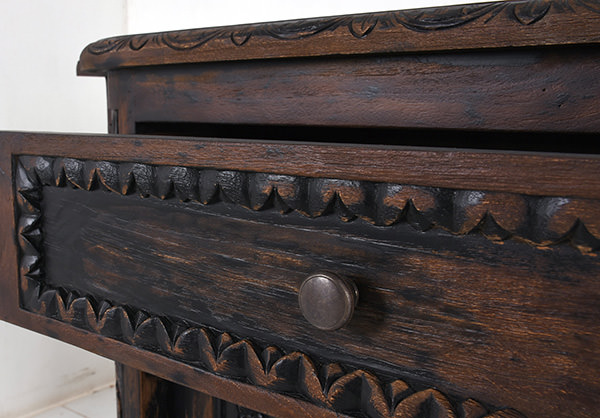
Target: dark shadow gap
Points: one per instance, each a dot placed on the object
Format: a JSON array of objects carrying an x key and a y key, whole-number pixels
[{"x": 588, "y": 143}]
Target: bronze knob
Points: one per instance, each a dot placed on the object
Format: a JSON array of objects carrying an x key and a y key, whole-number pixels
[{"x": 327, "y": 301}]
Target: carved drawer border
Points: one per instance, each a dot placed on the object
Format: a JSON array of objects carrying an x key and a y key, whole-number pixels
[
  {"x": 330, "y": 385},
  {"x": 498, "y": 216}
]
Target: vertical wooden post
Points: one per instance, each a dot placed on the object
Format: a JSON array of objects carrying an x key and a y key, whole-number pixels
[{"x": 142, "y": 395}]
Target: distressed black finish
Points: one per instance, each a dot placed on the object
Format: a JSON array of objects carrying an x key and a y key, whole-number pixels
[
  {"x": 537, "y": 220},
  {"x": 181, "y": 258},
  {"x": 358, "y": 393},
  {"x": 172, "y": 253}
]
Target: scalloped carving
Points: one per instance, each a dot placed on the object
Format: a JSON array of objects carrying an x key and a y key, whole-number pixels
[
  {"x": 495, "y": 215},
  {"x": 354, "y": 392},
  {"x": 359, "y": 26},
  {"x": 539, "y": 221}
]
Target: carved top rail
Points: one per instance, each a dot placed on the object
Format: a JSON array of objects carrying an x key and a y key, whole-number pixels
[{"x": 484, "y": 25}]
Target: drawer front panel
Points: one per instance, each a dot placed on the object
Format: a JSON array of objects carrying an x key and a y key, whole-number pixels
[
  {"x": 491, "y": 296},
  {"x": 533, "y": 89}
]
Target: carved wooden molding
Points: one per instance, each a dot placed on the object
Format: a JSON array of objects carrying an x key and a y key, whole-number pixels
[
  {"x": 359, "y": 26},
  {"x": 396, "y": 25},
  {"x": 343, "y": 390},
  {"x": 539, "y": 221},
  {"x": 351, "y": 392}
]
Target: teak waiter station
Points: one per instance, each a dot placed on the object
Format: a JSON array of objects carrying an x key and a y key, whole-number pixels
[{"x": 383, "y": 215}]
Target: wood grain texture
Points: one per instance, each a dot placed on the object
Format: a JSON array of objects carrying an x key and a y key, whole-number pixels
[
  {"x": 477, "y": 271},
  {"x": 501, "y": 24},
  {"x": 540, "y": 221},
  {"x": 142, "y": 395},
  {"x": 515, "y": 90},
  {"x": 358, "y": 393},
  {"x": 537, "y": 174},
  {"x": 138, "y": 394},
  {"x": 545, "y": 289}
]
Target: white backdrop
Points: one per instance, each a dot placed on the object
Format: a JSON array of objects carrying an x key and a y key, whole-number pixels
[
  {"x": 39, "y": 47},
  {"x": 40, "y": 43},
  {"x": 155, "y": 15}
]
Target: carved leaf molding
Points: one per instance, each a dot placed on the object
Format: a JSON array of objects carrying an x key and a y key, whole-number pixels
[
  {"x": 359, "y": 26},
  {"x": 539, "y": 221}
]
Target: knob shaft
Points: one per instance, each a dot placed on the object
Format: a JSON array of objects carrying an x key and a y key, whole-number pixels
[{"x": 327, "y": 300}]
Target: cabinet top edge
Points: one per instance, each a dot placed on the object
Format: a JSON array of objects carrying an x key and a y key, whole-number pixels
[{"x": 504, "y": 24}]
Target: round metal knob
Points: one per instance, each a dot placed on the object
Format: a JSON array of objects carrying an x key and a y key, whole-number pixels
[{"x": 327, "y": 301}]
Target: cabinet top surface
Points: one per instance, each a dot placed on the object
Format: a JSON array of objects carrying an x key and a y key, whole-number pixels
[{"x": 503, "y": 24}]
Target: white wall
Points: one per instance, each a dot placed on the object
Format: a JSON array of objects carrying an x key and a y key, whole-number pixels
[
  {"x": 40, "y": 43},
  {"x": 156, "y": 15},
  {"x": 39, "y": 47}
]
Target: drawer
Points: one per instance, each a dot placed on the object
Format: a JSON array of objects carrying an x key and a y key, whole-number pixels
[{"x": 476, "y": 271}]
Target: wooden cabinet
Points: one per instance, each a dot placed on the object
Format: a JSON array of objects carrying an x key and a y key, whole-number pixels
[{"x": 443, "y": 161}]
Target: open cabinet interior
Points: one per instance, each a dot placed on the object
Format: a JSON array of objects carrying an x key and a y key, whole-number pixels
[{"x": 564, "y": 142}]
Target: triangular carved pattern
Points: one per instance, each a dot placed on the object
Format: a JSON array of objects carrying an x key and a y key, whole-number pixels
[
  {"x": 539, "y": 221},
  {"x": 356, "y": 392}
]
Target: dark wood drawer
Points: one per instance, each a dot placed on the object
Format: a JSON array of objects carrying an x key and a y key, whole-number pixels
[
  {"x": 484, "y": 290},
  {"x": 183, "y": 258}
]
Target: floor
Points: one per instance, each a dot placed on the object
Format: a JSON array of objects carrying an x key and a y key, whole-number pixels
[{"x": 99, "y": 404}]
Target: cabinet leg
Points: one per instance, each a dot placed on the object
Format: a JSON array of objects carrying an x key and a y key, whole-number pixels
[{"x": 142, "y": 395}]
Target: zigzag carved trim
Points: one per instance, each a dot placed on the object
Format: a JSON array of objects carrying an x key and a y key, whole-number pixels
[
  {"x": 539, "y": 221},
  {"x": 356, "y": 392}
]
